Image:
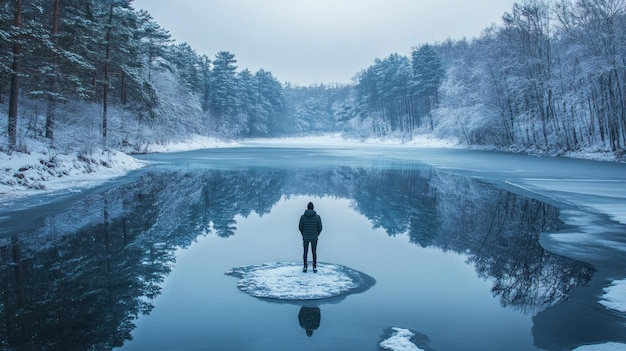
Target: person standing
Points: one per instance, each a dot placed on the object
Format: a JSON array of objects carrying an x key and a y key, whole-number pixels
[{"x": 310, "y": 227}]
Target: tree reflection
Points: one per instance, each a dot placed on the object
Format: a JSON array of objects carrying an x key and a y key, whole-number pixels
[
  {"x": 79, "y": 281},
  {"x": 503, "y": 244},
  {"x": 81, "y": 290}
]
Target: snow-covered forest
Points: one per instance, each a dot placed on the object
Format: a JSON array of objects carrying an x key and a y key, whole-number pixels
[
  {"x": 99, "y": 73},
  {"x": 551, "y": 77}
]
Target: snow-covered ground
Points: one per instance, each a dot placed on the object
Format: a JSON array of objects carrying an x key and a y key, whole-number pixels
[
  {"x": 196, "y": 142},
  {"x": 337, "y": 140},
  {"x": 286, "y": 281},
  {"x": 43, "y": 169}
]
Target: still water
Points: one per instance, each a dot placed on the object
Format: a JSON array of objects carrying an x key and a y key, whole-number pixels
[{"x": 139, "y": 264}]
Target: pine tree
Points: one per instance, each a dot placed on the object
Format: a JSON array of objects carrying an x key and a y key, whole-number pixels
[
  {"x": 272, "y": 101},
  {"x": 223, "y": 105},
  {"x": 120, "y": 49},
  {"x": 251, "y": 118},
  {"x": 428, "y": 75},
  {"x": 187, "y": 63},
  {"x": 154, "y": 41}
]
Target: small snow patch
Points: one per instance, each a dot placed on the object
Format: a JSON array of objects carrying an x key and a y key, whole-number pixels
[
  {"x": 611, "y": 346},
  {"x": 286, "y": 281},
  {"x": 615, "y": 296},
  {"x": 400, "y": 340}
]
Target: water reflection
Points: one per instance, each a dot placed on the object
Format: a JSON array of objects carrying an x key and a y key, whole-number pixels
[
  {"x": 80, "y": 280},
  {"x": 309, "y": 318}
]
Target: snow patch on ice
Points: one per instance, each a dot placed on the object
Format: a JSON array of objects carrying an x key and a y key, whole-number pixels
[
  {"x": 615, "y": 296},
  {"x": 286, "y": 281},
  {"x": 611, "y": 346},
  {"x": 400, "y": 340},
  {"x": 587, "y": 234},
  {"x": 603, "y": 195}
]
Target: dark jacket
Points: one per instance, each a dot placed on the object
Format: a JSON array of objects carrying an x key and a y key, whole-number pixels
[{"x": 310, "y": 225}]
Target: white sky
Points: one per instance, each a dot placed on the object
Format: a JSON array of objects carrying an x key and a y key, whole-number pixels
[{"x": 319, "y": 41}]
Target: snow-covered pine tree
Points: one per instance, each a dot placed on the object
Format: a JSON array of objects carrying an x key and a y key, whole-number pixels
[
  {"x": 223, "y": 102},
  {"x": 272, "y": 102},
  {"x": 427, "y": 77}
]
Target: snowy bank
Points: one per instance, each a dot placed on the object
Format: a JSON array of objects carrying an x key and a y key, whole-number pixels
[
  {"x": 424, "y": 141},
  {"x": 44, "y": 170},
  {"x": 338, "y": 140},
  {"x": 195, "y": 142}
]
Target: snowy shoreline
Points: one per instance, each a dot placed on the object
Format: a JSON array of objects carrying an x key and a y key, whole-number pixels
[
  {"x": 40, "y": 171},
  {"x": 44, "y": 170}
]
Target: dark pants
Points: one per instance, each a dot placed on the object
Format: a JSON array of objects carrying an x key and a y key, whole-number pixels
[{"x": 305, "y": 245}]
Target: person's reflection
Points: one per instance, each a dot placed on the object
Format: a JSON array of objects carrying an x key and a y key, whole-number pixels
[{"x": 309, "y": 318}]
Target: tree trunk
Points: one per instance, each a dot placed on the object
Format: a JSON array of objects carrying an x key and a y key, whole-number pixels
[
  {"x": 123, "y": 85},
  {"x": 15, "y": 69},
  {"x": 51, "y": 112},
  {"x": 105, "y": 88}
]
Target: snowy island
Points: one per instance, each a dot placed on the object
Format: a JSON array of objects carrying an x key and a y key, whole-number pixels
[{"x": 286, "y": 281}]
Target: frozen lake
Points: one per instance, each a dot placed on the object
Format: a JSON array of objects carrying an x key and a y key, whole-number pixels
[{"x": 469, "y": 250}]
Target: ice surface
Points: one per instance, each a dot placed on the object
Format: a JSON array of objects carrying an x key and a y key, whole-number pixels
[
  {"x": 615, "y": 296},
  {"x": 611, "y": 346},
  {"x": 603, "y": 195},
  {"x": 400, "y": 340},
  {"x": 286, "y": 281}
]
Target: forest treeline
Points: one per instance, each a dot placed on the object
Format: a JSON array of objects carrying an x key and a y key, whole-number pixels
[
  {"x": 551, "y": 76},
  {"x": 76, "y": 66}
]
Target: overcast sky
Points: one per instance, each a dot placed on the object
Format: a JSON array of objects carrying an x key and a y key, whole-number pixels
[{"x": 319, "y": 41}]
